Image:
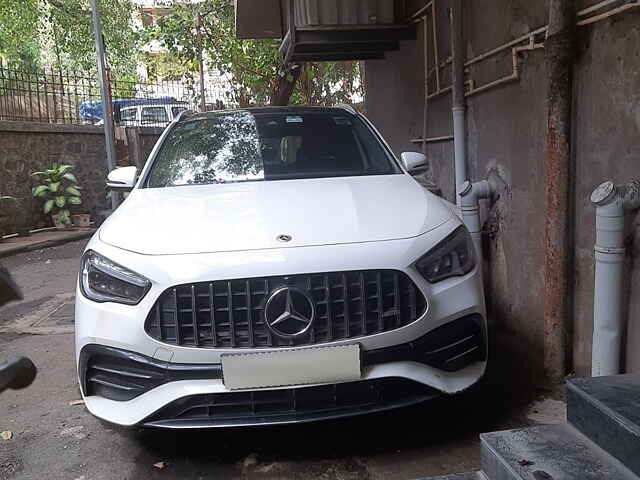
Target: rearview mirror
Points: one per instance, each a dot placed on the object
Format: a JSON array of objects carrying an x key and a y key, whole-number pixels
[
  {"x": 123, "y": 178},
  {"x": 413, "y": 160}
]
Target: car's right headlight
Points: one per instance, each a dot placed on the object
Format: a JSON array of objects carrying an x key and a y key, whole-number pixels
[
  {"x": 452, "y": 257},
  {"x": 102, "y": 280}
]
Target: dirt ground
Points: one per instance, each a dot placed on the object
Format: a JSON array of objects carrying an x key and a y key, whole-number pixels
[{"x": 54, "y": 438}]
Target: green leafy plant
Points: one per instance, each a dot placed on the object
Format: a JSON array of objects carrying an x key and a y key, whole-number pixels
[
  {"x": 254, "y": 68},
  {"x": 58, "y": 189}
]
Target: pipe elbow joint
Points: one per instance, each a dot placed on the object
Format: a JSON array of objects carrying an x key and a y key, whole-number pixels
[
  {"x": 609, "y": 196},
  {"x": 471, "y": 192}
]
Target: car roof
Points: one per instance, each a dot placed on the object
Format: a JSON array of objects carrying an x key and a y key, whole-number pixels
[{"x": 341, "y": 109}]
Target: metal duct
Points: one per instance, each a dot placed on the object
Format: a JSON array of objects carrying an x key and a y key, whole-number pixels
[{"x": 343, "y": 12}]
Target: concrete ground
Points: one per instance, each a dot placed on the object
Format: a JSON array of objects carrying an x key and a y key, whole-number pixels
[
  {"x": 53, "y": 437},
  {"x": 41, "y": 239}
]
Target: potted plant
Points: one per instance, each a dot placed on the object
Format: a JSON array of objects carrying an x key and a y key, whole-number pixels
[
  {"x": 81, "y": 220},
  {"x": 58, "y": 189}
]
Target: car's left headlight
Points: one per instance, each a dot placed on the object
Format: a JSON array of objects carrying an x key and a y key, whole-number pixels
[
  {"x": 102, "y": 280},
  {"x": 452, "y": 257}
]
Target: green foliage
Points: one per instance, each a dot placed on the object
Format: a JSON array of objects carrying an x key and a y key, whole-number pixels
[
  {"x": 19, "y": 23},
  {"x": 329, "y": 83},
  {"x": 68, "y": 25},
  {"x": 58, "y": 189},
  {"x": 60, "y": 32},
  {"x": 255, "y": 67}
]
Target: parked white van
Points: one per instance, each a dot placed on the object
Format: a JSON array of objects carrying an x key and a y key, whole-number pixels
[{"x": 154, "y": 115}]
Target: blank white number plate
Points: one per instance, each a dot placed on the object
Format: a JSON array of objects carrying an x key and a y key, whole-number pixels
[{"x": 276, "y": 368}]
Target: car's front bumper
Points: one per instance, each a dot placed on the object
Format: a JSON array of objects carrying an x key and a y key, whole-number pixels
[
  {"x": 184, "y": 375},
  {"x": 173, "y": 395}
]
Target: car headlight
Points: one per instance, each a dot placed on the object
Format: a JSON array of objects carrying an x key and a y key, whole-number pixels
[
  {"x": 452, "y": 257},
  {"x": 102, "y": 280}
]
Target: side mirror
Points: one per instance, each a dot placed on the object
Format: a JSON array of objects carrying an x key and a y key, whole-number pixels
[
  {"x": 123, "y": 178},
  {"x": 413, "y": 160}
]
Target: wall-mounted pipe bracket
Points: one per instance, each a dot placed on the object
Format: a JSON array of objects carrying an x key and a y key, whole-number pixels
[{"x": 611, "y": 202}]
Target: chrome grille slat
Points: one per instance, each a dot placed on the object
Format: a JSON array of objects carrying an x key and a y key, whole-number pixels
[{"x": 229, "y": 313}]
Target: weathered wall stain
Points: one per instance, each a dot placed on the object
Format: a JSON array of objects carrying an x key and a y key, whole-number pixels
[{"x": 508, "y": 131}]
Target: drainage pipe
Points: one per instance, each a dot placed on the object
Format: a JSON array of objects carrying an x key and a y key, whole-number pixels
[
  {"x": 559, "y": 55},
  {"x": 610, "y": 202},
  {"x": 458, "y": 104},
  {"x": 425, "y": 112},
  {"x": 470, "y": 194}
]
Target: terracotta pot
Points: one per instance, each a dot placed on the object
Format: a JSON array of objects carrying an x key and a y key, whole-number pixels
[
  {"x": 81, "y": 220},
  {"x": 58, "y": 223}
]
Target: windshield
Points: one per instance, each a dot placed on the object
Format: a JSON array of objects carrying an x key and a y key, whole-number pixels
[{"x": 244, "y": 146}]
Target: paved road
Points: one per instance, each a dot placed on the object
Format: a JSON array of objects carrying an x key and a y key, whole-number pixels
[{"x": 55, "y": 440}]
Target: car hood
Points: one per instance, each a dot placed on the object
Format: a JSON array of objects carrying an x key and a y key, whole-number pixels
[{"x": 251, "y": 215}]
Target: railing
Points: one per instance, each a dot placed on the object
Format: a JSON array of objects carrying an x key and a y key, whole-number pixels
[{"x": 73, "y": 97}]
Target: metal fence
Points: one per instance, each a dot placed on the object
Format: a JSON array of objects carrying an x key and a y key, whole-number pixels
[{"x": 72, "y": 97}]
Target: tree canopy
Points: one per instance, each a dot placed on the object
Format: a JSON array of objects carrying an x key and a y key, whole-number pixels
[
  {"x": 44, "y": 33},
  {"x": 19, "y": 24},
  {"x": 254, "y": 67},
  {"x": 36, "y": 33}
]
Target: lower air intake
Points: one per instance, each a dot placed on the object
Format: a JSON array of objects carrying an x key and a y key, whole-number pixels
[{"x": 290, "y": 405}]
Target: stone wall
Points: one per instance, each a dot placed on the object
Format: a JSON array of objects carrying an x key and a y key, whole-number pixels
[
  {"x": 26, "y": 147},
  {"x": 506, "y": 137},
  {"x": 29, "y": 147}
]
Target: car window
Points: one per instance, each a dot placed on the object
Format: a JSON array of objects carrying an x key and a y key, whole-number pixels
[
  {"x": 244, "y": 146},
  {"x": 154, "y": 115},
  {"x": 128, "y": 114},
  {"x": 176, "y": 110}
]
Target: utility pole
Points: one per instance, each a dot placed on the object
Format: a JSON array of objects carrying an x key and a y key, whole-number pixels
[
  {"x": 107, "y": 108},
  {"x": 203, "y": 103}
]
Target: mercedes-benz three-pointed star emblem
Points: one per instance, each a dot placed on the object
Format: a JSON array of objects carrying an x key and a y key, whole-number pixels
[{"x": 289, "y": 312}]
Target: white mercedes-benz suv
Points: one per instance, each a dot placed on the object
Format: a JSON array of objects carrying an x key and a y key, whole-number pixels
[{"x": 275, "y": 265}]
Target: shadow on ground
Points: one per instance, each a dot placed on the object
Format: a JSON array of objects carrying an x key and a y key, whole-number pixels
[{"x": 435, "y": 426}]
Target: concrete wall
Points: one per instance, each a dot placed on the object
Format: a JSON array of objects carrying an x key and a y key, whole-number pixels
[
  {"x": 26, "y": 147},
  {"x": 607, "y": 146},
  {"x": 29, "y": 147},
  {"x": 507, "y": 130}
]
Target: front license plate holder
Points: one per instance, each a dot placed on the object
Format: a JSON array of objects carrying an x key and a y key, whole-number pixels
[{"x": 288, "y": 367}]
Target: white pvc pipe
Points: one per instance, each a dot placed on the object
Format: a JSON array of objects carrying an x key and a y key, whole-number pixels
[
  {"x": 459, "y": 147},
  {"x": 470, "y": 194},
  {"x": 608, "y": 319},
  {"x": 607, "y": 297}
]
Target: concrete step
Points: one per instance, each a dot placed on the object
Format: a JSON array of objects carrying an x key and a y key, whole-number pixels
[
  {"x": 547, "y": 452},
  {"x": 460, "y": 476},
  {"x": 607, "y": 410}
]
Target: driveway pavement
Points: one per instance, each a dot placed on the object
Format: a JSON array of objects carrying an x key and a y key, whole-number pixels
[{"x": 53, "y": 436}]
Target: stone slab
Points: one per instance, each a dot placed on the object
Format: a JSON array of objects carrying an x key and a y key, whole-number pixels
[
  {"x": 547, "y": 452},
  {"x": 607, "y": 410}
]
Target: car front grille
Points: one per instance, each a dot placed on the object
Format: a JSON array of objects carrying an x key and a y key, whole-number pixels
[
  {"x": 286, "y": 405},
  {"x": 230, "y": 313}
]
